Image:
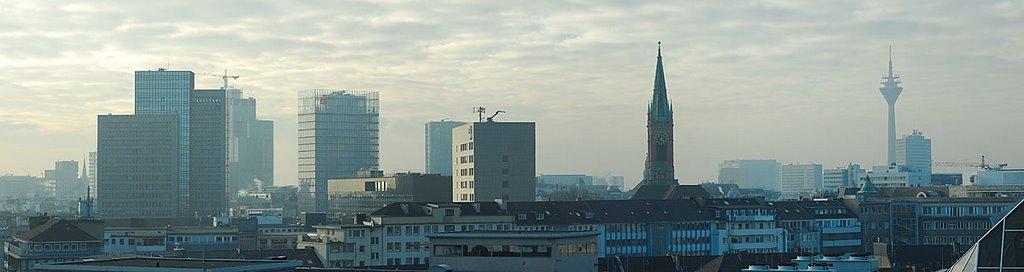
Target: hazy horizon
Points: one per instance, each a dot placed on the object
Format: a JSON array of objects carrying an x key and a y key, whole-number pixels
[{"x": 792, "y": 81}]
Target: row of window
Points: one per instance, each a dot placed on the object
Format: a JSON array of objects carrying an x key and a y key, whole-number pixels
[
  {"x": 949, "y": 240},
  {"x": 961, "y": 225},
  {"x": 496, "y": 250},
  {"x": 59, "y": 247},
  {"x": 466, "y": 146}
]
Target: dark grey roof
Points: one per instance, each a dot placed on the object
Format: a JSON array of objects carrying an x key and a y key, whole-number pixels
[
  {"x": 56, "y": 230},
  {"x": 669, "y": 191},
  {"x": 179, "y": 263},
  {"x": 720, "y": 190},
  {"x": 421, "y": 208},
  {"x": 812, "y": 209},
  {"x": 740, "y": 202},
  {"x": 791, "y": 210},
  {"x": 608, "y": 211}
]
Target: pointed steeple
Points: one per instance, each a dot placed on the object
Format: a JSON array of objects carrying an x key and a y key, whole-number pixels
[
  {"x": 890, "y": 62},
  {"x": 660, "y": 107}
]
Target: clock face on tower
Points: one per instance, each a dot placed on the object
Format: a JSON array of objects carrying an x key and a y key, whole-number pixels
[{"x": 662, "y": 138}]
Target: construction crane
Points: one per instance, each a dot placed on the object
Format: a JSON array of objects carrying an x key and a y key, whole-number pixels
[
  {"x": 491, "y": 119},
  {"x": 225, "y": 77},
  {"x": 983, "y": 165}
]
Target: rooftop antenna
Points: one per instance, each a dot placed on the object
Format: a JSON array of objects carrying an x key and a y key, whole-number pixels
[{"x": 480, "y": 112}]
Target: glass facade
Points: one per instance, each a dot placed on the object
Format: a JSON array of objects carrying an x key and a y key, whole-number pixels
[
  {"x": 338, "y": 135},
  {"x": 168, "y": 92},
  {"x": 439, "y": 146},
  {"x": 1001, "y": 249},
  {"x": 208, "y": 153}
]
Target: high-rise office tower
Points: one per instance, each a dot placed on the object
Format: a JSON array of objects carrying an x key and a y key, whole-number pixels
[
  {"x": 659, "y": 168},
  {"x": 338, "y": 136},
  {"x": 761, "y": 174},
  {"x": 914, "y": 156},
  {"x": 800, "y": 180},
  {"x": 92, "y": 174},
  {"x": 438, "y": 146},
  {"x": 66, "y": 181},
  {"x": 494, "y": 160},
  {"x": 208, "y": 153},
  {"x": 169, "y": 92},
  {"x": 251, "y": 145},
  {"x": 891, "y": 90},
  {"x": 139, "y": 174}
]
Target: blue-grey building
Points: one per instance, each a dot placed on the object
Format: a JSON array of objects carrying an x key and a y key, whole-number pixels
[
  {"x": 169, "y": 92},
  {"x": 251, "y": 145},
  {"x": 208, "y": 173},
  {"x": 438, "y": 146},
  {"x": 338, "y": 136},
  {"x": 139, "y": 175}
]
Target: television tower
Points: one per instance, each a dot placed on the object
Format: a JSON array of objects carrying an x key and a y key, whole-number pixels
[{"x": 891, "y": 91}]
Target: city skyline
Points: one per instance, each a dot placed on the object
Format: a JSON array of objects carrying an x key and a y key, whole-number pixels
[{"x": 793, "y": 89}]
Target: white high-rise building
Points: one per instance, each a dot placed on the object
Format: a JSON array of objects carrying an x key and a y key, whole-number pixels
[
  {"x": 841, "y": 177},
  {"x": 914, "y": 156},
  {"x": 800, "y": 179}
]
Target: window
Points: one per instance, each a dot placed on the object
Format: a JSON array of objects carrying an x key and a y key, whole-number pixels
[
  {"x": 539, "y": 216},
  {"x": 374, "y": 240},
  {"x": 521, "y": 216},
  {"x": 504, "y": 184},
  {"x": 504, "y": 171},
  {"x": 504, "y": 158},
  {"x": 451, "y": 212},
  {"x": 449, "y": 228}
]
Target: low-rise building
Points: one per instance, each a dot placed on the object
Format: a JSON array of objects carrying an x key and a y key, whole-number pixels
[
  {"x": 350, "y": 196},
  {"x": 626, "y": 227},
  {"x": 53, "y": 240},
  {"x": 515, "y": 250},
  {"x": 744, "y": 225},
  {"x": 144, "y": 264},
  {"x": 397, "y": 233}
]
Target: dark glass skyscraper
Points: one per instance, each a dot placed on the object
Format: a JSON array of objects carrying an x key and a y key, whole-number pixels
[
  {"x": 139, "y": 175},
  {"x": 338, "y": 136},
  {"x": 251, "y": 146},
  {"x": 168, "y": 92},
  {"x": 208, "y": 153}
]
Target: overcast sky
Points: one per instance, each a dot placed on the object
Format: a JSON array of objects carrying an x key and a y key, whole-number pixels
[{"x": 794, "y": 81}]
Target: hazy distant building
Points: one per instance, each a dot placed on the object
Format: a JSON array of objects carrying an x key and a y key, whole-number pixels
[
  {"x": 20, "y": 187},
  {"x": 494, "y": 160},
  {"x": 438, "y": 145},
  {"x": 841, "y": 177},
  {"x": 660, "y": 166},
  {"x": 338, "y": 136},
  {"x": 139, "y": 176},
  {"x": 573, "y": 180},
  {"x": 947, "y": 179},
  {"x": 612, "y": 181},
  {"x": 886, "y": 176},
  {"x": 67, "y": 185},
  {"x": 349, "y": 196},
  {"x": 761, "y": 174},
  {"x": 800, "y": 179},
  {"x": 169, "y": 92},
  {"x": 914, "y": 156},
  {"x": 999, "y": 176},
  {"x": 891, "y": 90},
  {"x": 208, "y": 173},
  {"x": 250, "y": 146},
  {"x": 92, "y": 174}
]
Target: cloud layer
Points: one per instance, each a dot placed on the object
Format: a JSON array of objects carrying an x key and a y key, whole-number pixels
[{"x": 791, "y": 80}]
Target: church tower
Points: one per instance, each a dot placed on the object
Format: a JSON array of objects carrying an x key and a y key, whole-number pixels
[{"x": 659, "y": 168}]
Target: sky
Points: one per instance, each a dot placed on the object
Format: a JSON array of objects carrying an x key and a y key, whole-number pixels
[{"x": 795, "y": 81}]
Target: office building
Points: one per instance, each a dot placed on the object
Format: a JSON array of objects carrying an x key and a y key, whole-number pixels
[
  {"x": 998, "y": 249},
  {"x": 841, "y": 177},
  {"x": 744, "y": 225},
  {"x": 626, "y": 227},
  {"x": 659, "y": 168},
  {"x": 761, "y": 174},
  {"x": 438, "y": 146},
  {"x": 208, "y": 173},
  {"x": 914, "y": 156},
  {"x": 800, "y": 180},
  {"x": 139, "y": 176},
  {"x": 494, "y": 160},
  {"x": 351, "y": 196},
  {"x": 891, "y": 90},
  {"x": 66, "y": 182},
  {"x": 397, "y": 233},
  {"x": 999, "y": 176},
  {"x": 338, "y": 136},
  {"x": 250, "y": 147},
  {"x": 20, "y": 187},
  {"x": 164, "y": 92},
  {"x": 566, "y": 180},
  {"x": 510, "y": 251},
  {"x": 820, "y": 225},
  {"x": 947, "y": 179},
  {"x": 92, "y": 174}
]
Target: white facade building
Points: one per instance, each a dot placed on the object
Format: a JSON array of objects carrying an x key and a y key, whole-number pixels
[
  {"x": 841, "y": 177},
  {"x": 800, "y": 179},
  {"x": 494, "y": 160},
  {"x": 761, "y": 174},
  {"x": 914, "y": 156}
]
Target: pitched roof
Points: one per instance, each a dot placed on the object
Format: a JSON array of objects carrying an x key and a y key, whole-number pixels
[
  {"x": 669, "y": 191},
  {"x": 609, "y": 211},
  {"x": 791, "y": 210},
  {"x": 56, "y": 230},
  {"x": 406, "y": 209}
]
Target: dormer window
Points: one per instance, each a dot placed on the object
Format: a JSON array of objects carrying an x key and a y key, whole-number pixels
[
  {"x": 539, "y": 216},
  {"x": 590, "y": 215},
  {"x": 521, "y": 216}
]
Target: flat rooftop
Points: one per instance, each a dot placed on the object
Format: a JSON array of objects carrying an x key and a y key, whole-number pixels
[
  {"x": 521, "y": 234},
  {"x": 154, "y": 263}
]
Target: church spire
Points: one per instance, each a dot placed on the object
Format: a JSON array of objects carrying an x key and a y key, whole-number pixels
[{"x": 659, "y": 103}]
